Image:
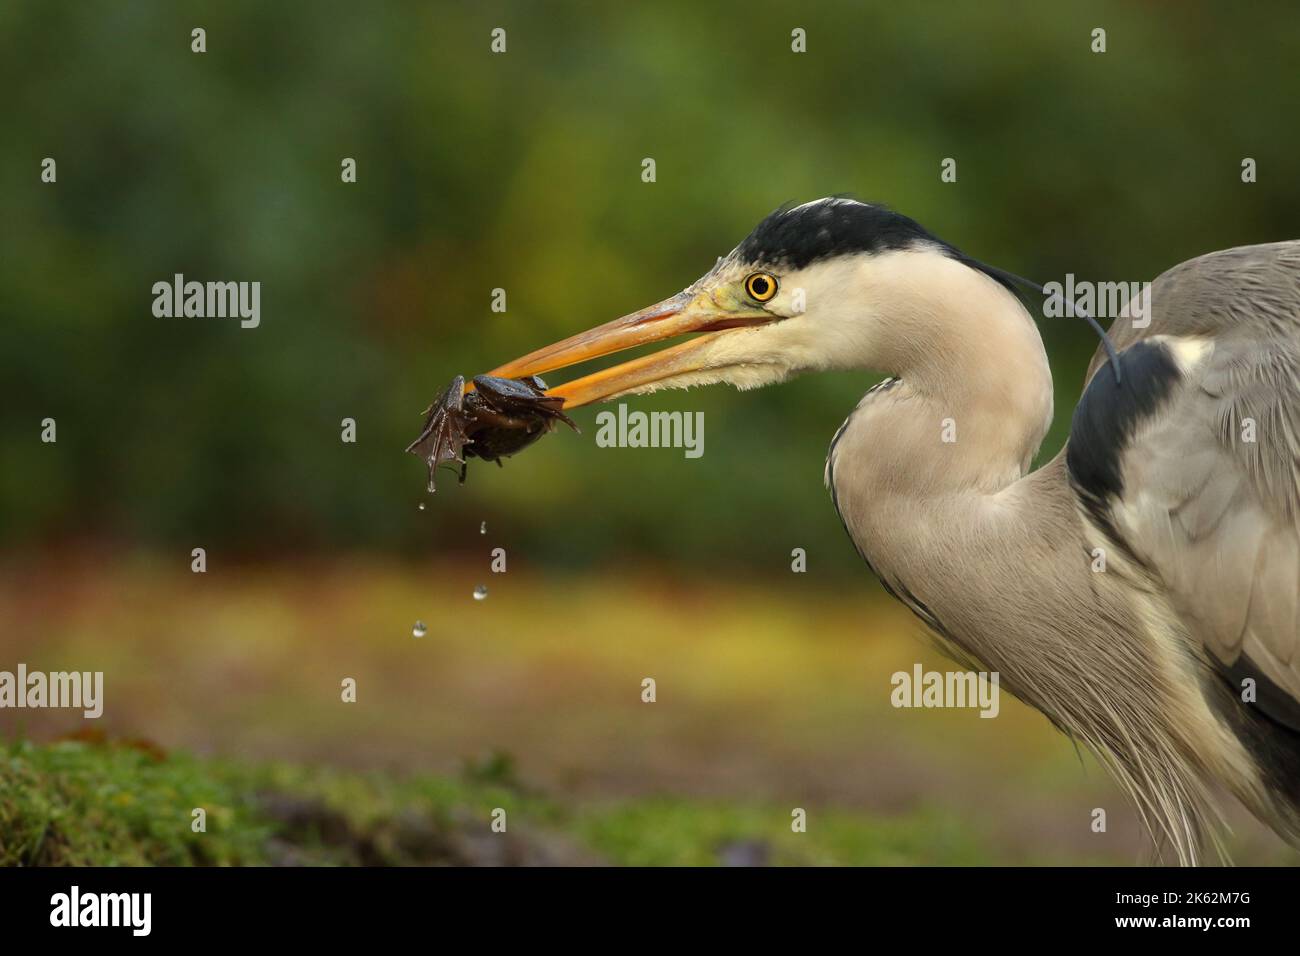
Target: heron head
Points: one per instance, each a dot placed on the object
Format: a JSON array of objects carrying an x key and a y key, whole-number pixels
[{"x": 834, "y": 283}]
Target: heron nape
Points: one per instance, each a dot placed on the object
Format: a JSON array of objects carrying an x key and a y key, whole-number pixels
[{"x": 1179, "y": 664}]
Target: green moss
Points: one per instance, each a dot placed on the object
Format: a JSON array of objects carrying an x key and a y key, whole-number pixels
[
  {"x": 79, "y": 804},
  {"x": 97, "y": 803},
  {"x": 676, "y": 832}
]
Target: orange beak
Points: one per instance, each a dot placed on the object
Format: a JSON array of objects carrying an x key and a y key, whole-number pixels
[{"x": 682, "y": 314}]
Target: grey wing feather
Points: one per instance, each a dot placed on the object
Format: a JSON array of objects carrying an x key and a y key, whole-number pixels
[{"x": 1209, "y": 500}]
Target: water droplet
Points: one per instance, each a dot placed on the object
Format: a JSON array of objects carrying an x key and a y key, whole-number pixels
[
  {"x": 419, "y": 630},
  {"x": 482, "y": 529},
  {"x": 421, "y": 505},
  {"x": 480, "y": 592}
]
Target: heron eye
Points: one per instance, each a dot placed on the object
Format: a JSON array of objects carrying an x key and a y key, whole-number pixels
[{"x": 761, "y": 286}]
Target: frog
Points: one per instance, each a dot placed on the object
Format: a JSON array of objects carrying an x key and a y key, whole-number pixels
[{"x": 499, "y": 418}]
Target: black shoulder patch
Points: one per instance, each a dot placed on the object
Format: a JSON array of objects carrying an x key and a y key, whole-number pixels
[
  {"x": 1109, "y": 413},
  {"x": 1268, "y": 728},
  {"x": 1270, "y": 699}
]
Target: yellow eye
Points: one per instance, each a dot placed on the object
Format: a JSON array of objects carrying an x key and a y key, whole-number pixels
[{"x": 760, "y": 286}]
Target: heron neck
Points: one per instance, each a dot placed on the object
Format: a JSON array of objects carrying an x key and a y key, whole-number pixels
[{"x": 975, "y": 395}]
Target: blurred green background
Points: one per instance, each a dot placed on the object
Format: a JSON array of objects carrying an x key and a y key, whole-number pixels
[{"x": 522, "y": 171}]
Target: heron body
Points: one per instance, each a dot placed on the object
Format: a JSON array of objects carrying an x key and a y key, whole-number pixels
[
  {"x": 1000, "y": 562},
  {"x": 1142, "y": 589}
]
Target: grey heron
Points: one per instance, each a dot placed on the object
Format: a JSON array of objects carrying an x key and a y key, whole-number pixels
[{"x": 1179, "y": 664}]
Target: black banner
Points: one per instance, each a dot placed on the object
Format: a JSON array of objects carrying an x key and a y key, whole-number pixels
[{"x": 331, "y": 905}]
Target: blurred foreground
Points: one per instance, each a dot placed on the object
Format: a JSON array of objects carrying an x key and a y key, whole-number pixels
[
  {"x": 95, "y": 802},
  {"x": 767, "y": 699}
]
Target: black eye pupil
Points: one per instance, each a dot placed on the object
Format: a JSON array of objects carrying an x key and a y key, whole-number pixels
[{"x": 760, "y": 286}]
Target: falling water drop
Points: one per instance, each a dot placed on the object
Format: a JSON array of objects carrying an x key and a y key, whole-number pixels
[
  {"x": 480, "y": 592},
  {"x": 421, "y": 505},
  {"x": 419, "y": 630},
  {"x": 482, "y": 529}
]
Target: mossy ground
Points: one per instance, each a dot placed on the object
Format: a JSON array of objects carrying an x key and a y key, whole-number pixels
[
  {"x": 771, "y": 696},
  {"x": 97, "y": 803}
]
